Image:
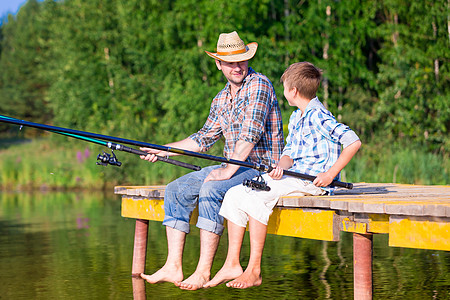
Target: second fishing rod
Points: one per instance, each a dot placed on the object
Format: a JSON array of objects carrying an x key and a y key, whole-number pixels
[
  {"x": 256, "y": 166},
  {"x": 106, "y": 158}
]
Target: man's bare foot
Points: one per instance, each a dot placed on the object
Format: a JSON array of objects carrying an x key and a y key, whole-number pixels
[
  {"x": 224, "y": 274},
  {"x": 165, "y": 274},
  {"x": 248, "y": 279},
  {"x": 193, "y": 282}
]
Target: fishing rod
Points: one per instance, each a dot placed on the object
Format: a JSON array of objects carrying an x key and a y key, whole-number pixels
[
  {"x": 256, "y": 166},
  {"x": 111, "y": 159}
]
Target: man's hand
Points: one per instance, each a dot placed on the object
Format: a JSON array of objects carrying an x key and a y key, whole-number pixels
[
  {"x": 222, "y": 173},
  {"x": 186, "y": 144},
  {"x": 151, "y": 157}
]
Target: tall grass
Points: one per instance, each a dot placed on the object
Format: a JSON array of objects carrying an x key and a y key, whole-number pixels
[
  {"x": 50, "y": 164},
  {"x": 46, "y": 165},
  {"x": 398, "y": 164}
]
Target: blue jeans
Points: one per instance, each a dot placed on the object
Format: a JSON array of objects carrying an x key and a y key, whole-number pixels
[{"x": 183, "y": 194}]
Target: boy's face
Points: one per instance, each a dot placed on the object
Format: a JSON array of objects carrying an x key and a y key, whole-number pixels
[{"x": 289, "y": 94}]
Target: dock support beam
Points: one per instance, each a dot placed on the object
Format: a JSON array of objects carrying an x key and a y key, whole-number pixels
[
  {"x": 362, "y": 266},
  {"x": 138, "y": 288},
  {"x": 140, "y": 247}
]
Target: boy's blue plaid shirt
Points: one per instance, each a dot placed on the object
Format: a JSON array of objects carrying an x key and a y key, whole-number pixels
[{"x": 314, "y": 140}]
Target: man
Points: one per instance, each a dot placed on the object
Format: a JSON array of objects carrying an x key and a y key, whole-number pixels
[{"x": 246, "y": 113}]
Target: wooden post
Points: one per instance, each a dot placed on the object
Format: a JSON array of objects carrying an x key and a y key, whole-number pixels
[
  {"x": 140, "y": 247},
  {"x": 362, "y": 266},
  {"x": 138, "y": 288}
]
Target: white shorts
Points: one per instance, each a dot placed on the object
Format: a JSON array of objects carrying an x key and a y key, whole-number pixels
[{"x": 240, "y": 201}]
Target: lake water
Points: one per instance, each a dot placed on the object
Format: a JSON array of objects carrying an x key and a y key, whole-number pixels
[{"x": 77, "y": 246}]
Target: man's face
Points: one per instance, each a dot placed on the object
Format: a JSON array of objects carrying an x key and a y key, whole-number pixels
[{"x": 235, "y": 72}]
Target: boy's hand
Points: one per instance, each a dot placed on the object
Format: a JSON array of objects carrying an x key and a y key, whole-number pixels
[
  {"x": 276, "y": 173},
  {"x": 323, "y": 179}
]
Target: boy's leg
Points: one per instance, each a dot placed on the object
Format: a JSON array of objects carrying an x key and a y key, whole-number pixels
[
  {"x": 258, "y": 212},
  {"x": 231, "y": 268},
  {"x": 252, "y": 275}
]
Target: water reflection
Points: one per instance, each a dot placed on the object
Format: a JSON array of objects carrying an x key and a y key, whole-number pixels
[
  {"x": 77, "y": 246},
  {"x": 324, "y": 271}
]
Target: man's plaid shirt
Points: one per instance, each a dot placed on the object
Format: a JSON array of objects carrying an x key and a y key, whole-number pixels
[{"x": 253, "y": 116}]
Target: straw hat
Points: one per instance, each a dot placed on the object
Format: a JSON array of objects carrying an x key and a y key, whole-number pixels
[{"x": 231, "y": 48}]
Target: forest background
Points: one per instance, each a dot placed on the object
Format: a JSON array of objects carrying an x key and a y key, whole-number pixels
[{"x": 137, "y": 69}]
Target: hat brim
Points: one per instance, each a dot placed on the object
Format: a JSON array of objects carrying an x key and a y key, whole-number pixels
[{"x": 237, "y": 57}]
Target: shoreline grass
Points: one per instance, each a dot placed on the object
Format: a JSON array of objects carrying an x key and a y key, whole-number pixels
[{"x": 46, "y": 164}]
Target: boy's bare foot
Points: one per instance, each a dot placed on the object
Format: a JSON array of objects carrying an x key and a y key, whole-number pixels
[
  {"x": 224, "y": 274},
  {"x": 165, "y": 274},
  {"x": 248, "y": 279},
  {"x": 193, "y": 282}
]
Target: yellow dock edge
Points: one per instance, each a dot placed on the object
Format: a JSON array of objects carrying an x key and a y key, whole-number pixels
[
  {"x": 304, "y": 223},
  {"x": 324, "y": 224},
  {"x": 418, "y": 232}
]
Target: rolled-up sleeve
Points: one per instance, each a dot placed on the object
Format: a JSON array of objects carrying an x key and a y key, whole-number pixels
[{"x": 328, "y": 126}]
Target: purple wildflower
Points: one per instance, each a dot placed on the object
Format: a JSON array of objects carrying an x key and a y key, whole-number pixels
[{"x": 80, "y": 157}]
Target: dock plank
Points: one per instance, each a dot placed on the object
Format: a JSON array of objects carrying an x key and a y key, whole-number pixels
[{"x": 381, "y": 198}]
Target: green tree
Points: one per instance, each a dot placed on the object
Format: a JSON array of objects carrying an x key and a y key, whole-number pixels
[
  {"x": 138, "y": 68},
  {"x": 22, "y": 86},
  {"x": 413, "y": 78}
]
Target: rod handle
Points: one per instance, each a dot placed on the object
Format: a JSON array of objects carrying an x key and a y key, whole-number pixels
[
  {"x": 179, "y": 163},
  {"x": 338, "y": 183},
  {"x": 161, "y": 158}
]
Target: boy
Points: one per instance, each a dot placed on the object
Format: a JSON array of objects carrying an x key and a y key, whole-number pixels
[{"x": 313, "y": 147}]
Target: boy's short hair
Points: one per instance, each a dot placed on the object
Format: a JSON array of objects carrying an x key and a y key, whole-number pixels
[{"x": 304, "y": 76}]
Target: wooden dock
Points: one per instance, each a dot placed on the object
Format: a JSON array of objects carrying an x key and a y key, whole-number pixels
[{"x": 413, "y": 216}]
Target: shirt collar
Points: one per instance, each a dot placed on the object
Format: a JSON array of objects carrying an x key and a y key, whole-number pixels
[{"x": 313, "y": 104}]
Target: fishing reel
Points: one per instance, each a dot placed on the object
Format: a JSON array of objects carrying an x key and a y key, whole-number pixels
[
  {"x": 108, "y": 159},
  {"x": 256, "y": 184}
]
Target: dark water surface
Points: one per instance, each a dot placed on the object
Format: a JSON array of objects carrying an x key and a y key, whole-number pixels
[{"x": 77, "y": 246}]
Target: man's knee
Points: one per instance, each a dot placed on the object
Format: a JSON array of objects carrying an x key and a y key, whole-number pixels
[
  {"x": 172, "y": 187},
  {"x": 170, "y": 196},
  {"x": 207, "y": 188},
  {"x": 213, "y": 190}
]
